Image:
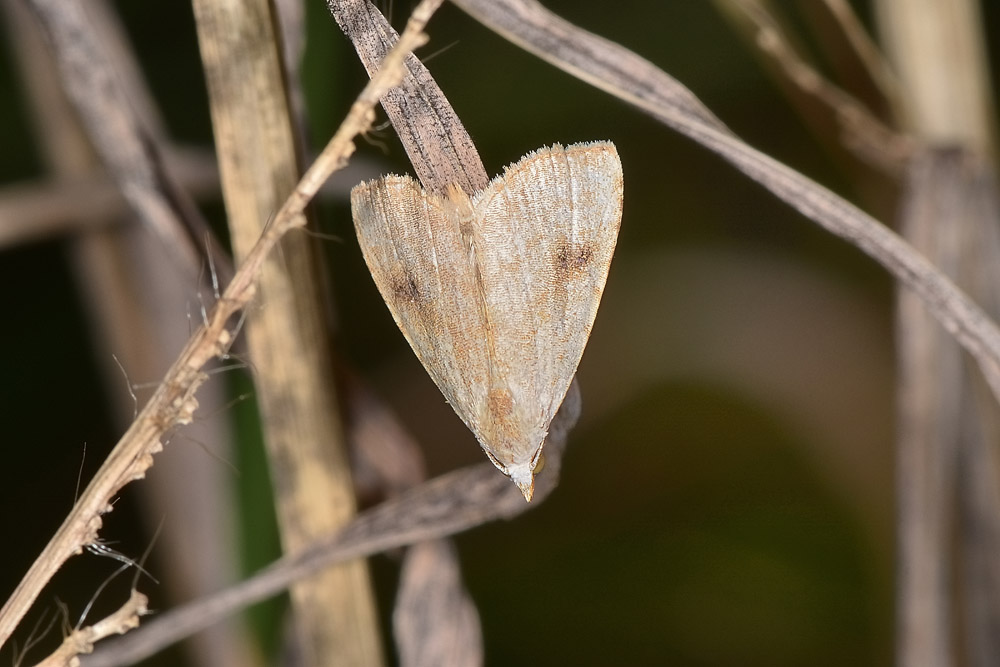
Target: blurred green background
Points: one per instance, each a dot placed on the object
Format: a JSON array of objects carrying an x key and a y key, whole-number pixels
[{"x": 727, "y": 497}]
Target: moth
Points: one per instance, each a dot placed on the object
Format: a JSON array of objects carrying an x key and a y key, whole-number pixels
[{"x": 497, "y": 292}]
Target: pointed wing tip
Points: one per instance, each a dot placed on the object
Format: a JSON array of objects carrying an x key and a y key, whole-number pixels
[
  {"x": 527, "y": 490},
  {"x": 525, "y": 481}
]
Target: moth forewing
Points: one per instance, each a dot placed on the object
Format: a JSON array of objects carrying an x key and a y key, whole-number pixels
[
  {"x": 497, "y": 292},
  {"x": 412, "y": 248},
  {"x": 548, "y": 236}
]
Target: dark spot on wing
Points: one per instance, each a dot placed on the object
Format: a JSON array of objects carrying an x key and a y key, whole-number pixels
[
  {"x": 571, "y": 258},
  {"x": 405, "y": 288}
]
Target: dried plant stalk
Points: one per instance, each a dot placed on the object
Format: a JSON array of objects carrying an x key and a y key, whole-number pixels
[
  {"x": 439, "y": 147},
  {"x": 845, "y": 121},
  {"x": 443, "y": 506},
  {"x": 173, "y": 402},
  {"x": 637, "y": 81},
  {"x": 288, "y": 342},
  {"x": 435, "y": 621},
  {"x": 947, "y": 434},
  {"x": 81, "y": 641},
  {"x": 930, "y": 420},
  {"x": 937, "y": 48},
  {"x": 134, "y": 296},
  {"x": 57, "y": 206}
]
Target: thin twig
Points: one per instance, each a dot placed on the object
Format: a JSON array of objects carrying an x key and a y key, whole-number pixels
[
  {"x": 50, "y": 207},
  {"x": 256, "y": 139},
  {"x": 637, "y": 81},
  {"x": 860, "y": 129},
  {"x": 867, "y": 51},
  {"x": 446, "y": 505},
  {"x": 81, "y": 641},
  {"x": 947, "y": 435},
  {"x": 434, "y": 619},
  {"x": 440, "y": 148},
  {"x": 125, "y": 145},
  {"x": 173, "y": 403},
  {"x": 133, "y": 292}
]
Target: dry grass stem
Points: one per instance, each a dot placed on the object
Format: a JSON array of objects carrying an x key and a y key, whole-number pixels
[
  {"x": 948, "y": 479},
  {"x": 637, "y": 81},
  {"x": 134, "y": 292},
  {"x": 439, "y": 147},
  {"x": 126, "y": 146},
  {"x": 69, "y": 205},
  {"x": 173, "y": 403},
  {"x": 81, "y": 641},
  {"x": 435, "y": 621},
  {"x": 443, "y": 506},
  {"x": 939, "y": 53},
  {"x": 866, "y": 49},
  {"x": 929, "y": 419},
  {"x": 257, "y": 140},
  {"x": 861, "y": 131}
]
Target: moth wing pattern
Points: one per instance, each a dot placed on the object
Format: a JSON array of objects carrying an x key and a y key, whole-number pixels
[
  {"x": 548, "y": 229},
  {"x": 413, "y": 248}
]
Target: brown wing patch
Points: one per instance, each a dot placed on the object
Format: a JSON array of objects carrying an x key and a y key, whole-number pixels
[
  {"x": 405, "y": 288},
  {"x": 501, "y": 402},
  {"x": 571, "y": 258}
]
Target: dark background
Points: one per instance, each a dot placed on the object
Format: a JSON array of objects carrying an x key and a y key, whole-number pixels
[{"x": 727, "y": 497}]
